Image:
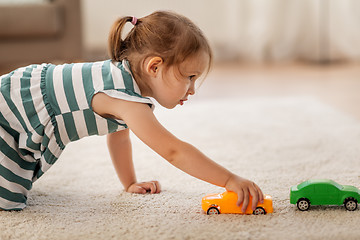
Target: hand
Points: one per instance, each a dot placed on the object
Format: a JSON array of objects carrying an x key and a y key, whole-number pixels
[
  {"x": 144, "y": 187},
  {"x": 244, "y": 188}
]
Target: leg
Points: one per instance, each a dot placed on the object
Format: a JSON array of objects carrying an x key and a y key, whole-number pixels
[{"x": 15, "y": 174}]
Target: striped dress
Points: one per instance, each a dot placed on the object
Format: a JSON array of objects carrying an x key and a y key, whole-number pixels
[{"x": 43, "y": 108}]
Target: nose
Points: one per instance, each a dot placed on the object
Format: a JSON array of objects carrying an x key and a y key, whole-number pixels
[{"x": 191, "y": 90}]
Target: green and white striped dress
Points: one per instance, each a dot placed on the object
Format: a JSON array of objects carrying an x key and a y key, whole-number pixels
[{"x": 43, "y": 108}]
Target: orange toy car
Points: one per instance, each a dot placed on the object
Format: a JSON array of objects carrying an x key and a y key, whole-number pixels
[{"x": 226, "y": 203}]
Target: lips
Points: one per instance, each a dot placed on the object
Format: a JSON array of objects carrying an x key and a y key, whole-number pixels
[{"x": 182, "y": 101}]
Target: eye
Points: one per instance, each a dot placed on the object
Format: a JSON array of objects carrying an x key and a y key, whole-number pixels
[{"x": 192, "y": 77}]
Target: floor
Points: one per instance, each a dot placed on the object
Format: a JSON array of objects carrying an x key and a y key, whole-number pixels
[
  {"x": 89, "y": 204},
  {"x": 336, "y": 84}
]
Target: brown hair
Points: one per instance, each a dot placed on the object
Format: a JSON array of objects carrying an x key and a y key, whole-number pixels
[{"x": 168, "y": 35}]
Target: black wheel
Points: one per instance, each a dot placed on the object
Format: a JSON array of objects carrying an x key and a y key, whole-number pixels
[
  {"x": 303, "y": 204},
  {"x": 213, "y": 211},
  {"x": 350, "y": 204},
  {"x": 259, "y": 211}
]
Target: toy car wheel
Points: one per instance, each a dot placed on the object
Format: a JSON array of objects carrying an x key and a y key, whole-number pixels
[
  {"x": 259, "y": 211},
  {"x": 213, "y": 211},
  {"x": 303, "y": 204},
  {"x": 350, "y": 204}
]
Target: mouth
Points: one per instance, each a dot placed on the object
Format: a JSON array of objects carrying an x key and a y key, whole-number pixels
[{"x": 182, "y": 101}]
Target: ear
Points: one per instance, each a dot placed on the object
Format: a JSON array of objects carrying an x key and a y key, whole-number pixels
[{"x": 153, "y": 65}]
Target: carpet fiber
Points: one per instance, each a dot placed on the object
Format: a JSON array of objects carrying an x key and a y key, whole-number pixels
[{"x": 276, "y": 142}]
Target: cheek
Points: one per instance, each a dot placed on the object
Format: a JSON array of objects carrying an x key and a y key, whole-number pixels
[
  {"x": 184, "y": 87},
  {"x": 179, "y": 85}
]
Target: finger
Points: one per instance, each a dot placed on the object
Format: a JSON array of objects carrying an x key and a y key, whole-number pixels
[
  {"x": 149, "y": 186},
  {"x": 136, "y": 189},
  {"x": 255, "y": 198},
  {"x": 261, "y": 194},
  {"x": 140, "y": 189},
  {"x": 246, "y": 201},
  {"x": 240, "y": 198},
  {"x": 158, "y": 186},
  {"x": 153, "y": 187}
]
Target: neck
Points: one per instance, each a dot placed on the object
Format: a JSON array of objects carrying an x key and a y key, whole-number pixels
[{"x": 142, "y": 83}]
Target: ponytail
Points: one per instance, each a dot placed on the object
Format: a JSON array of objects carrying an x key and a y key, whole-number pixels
[
  {"x": 171, "y": 36},
  {"x": 117, "y": 46}
]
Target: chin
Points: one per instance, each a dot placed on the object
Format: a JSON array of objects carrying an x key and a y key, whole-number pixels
[
  {"x": 171, "y": 107},
  {"x": 168, "y": 106}
]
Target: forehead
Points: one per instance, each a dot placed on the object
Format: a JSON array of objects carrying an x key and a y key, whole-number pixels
[{"x": 195, "y": 64}]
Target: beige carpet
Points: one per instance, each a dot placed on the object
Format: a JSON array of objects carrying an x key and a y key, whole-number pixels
[{"x": 277, "y": 142}]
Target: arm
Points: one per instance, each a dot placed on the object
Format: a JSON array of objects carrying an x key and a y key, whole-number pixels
[
  {"x": 121, "y": 155},
  {"x": 184, "y": 156},
  {"x": 119, "y": 145}
]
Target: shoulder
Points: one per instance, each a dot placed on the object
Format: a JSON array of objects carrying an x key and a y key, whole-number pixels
[
  {"x": 119, "y": 83},
  {"x": 108, "y": 106}
]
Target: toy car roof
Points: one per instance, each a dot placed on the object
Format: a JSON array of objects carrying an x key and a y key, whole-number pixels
[{"x": 319, "y": 181}]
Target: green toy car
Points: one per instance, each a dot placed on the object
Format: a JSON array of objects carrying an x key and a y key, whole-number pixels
[{"x": 324, "y": 192}]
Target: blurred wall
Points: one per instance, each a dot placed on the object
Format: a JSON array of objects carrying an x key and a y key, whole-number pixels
[
  {"x": 37, "y": 31},
  {"x": 254, "y": 30},
  {"x": 98, "y": 17}
]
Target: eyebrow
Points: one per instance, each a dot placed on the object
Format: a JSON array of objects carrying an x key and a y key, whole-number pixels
[{"x": 193, "y": 72}]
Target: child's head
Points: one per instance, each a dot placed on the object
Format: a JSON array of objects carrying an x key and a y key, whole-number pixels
[{"x": 170, "y": 36}]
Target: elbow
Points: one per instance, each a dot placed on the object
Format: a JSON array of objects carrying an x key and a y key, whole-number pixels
[
  {"x": 171, "y": 155},
  {"x": 174, "y": 153}
]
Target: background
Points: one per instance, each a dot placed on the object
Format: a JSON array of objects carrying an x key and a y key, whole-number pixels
[
  {"x": 250, "y": 30},
  {"x": 280, "y": 106},
  {"x": 281, "y": 47},
  {"x": 257, "y": 30}
]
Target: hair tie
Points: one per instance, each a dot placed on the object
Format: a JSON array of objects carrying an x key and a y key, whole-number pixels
[{"x": 133, "y": 20}]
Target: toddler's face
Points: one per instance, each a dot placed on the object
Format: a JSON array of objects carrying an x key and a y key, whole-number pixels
[{"x": 178, "y": 82}]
